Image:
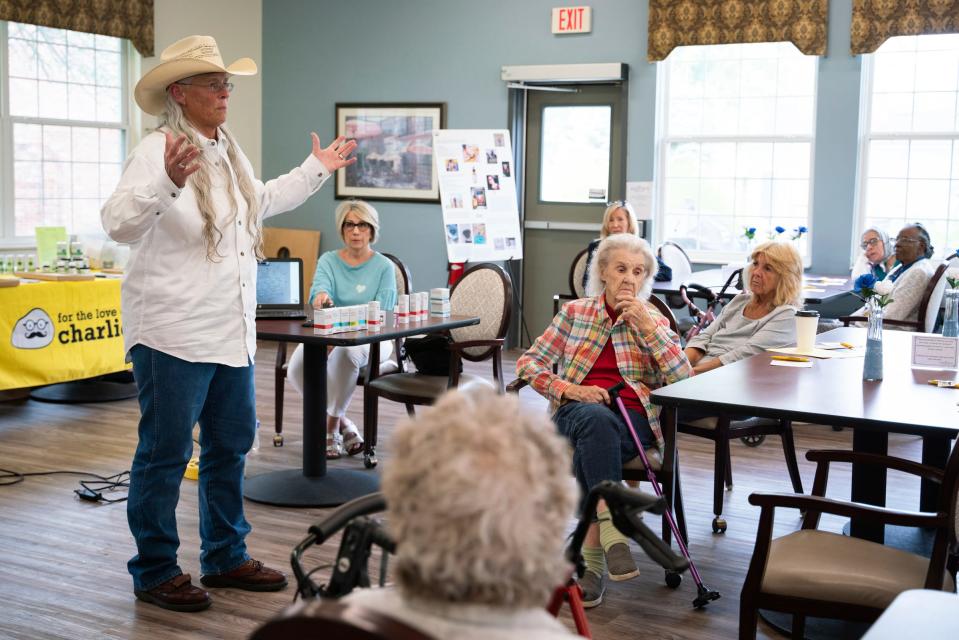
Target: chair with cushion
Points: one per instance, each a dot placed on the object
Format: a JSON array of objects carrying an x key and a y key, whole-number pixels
[
  {"x": 828, "y": 575},
  {"x": 576, "y": 290},
  {"x": 928, "y": 306},
  {"x": 404, "y": 285},
  {"x": 335, "y": 619},
  {"x": 721, "y": 429},
  {"x": 485, "y": 291}
]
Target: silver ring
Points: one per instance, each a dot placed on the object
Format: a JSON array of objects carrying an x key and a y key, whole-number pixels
[
  {"x": 340, "y": 155},
  {"x": 181, "y": 165}
]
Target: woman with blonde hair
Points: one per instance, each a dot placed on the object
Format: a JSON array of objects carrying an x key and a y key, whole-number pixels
[
  {"x": 355, "y": 274},
  {"x": 759, "y": 318},
  {"x": 479, "y": 527}
]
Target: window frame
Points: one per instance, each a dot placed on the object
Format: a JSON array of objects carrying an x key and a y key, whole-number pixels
[
  {"x": 129, "y": 63},
  {"x": 866, "y": 84},
  {"x": 661, "y": 152}
]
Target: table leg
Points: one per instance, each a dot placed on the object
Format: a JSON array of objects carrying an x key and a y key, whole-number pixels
[
  {"x": 313, "y": 485},
  {"x": 869, "y": 482}
]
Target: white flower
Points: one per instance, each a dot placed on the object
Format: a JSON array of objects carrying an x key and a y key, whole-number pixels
[
  {"x": 952, "y": 273},
  {"x": 883, "y": 287}
]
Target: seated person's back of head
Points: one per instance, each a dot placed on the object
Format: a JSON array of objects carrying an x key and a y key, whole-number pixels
[{"x": 479, "y": 494}]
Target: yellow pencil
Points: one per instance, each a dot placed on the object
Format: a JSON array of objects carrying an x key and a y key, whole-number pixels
[
  {"x": 848, "y": 345},
  {"x": 790, "y": 358}
]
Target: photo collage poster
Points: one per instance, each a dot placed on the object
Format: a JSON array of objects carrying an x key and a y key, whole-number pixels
[{"x": 478, "y": 194}]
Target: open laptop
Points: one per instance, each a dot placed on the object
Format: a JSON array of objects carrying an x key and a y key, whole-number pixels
[{"x": 279, "y": 286}]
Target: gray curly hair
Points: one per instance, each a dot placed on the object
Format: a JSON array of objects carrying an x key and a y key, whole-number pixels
[
  {"x": 201, "y": 181},
  {"x": 631, "y": 243},
  {"x": 479, "y": 494}
]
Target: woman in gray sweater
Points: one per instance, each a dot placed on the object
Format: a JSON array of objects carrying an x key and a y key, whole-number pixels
[{"x": 758, "y": 319}]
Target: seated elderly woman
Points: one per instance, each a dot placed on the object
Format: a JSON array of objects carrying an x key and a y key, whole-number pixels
[
  {"x": 614, "y": 335},
  {"x": 479, "y": 526},
  {"x": 877, "y": 255},
  {"x": 759, "y": 318},
  {"x": 355, "y": 274},
  {"x": 913, "y": 248}
]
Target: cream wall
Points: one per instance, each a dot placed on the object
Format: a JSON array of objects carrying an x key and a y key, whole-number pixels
[{"x": 237, "y": 27}]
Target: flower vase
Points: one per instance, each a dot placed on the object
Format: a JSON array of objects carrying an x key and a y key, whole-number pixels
[
  {"x": 950, "y": 323},
  {"x": 872, "y": 367}
]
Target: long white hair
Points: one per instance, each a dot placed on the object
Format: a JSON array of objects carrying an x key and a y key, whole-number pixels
[{"x": 174, "y": 119}]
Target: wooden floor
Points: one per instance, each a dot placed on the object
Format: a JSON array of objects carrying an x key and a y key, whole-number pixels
[{"x": 63, "y": 569}]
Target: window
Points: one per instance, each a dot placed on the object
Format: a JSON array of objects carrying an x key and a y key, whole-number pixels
[
  {"x": 735, "y": 137},
  {"x": 62, "y": 127},
  {"x": 909, "y": 155},
  {"x": 581, "y": 133}
]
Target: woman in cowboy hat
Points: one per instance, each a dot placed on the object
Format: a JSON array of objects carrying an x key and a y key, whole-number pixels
[{"x": 192, "y": 212}]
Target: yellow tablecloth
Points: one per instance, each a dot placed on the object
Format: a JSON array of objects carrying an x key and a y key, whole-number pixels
[{"x": 57, "y": 331}]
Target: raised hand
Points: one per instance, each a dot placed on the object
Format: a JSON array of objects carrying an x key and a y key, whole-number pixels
[
  {"x": 336, "y": 155},
  {"x": 179, "y": 158}
]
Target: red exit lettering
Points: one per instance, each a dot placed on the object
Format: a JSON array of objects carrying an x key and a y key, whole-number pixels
[{"x": 570, "y": 19}]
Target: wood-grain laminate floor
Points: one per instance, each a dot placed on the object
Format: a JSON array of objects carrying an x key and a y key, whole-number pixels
[{"x": 63, "y": 561}]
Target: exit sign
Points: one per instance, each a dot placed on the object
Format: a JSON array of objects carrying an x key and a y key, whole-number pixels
[{"x": 572, "y": 19}]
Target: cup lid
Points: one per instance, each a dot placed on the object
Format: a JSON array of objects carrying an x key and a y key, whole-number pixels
[{"x": 807, "y": 313}]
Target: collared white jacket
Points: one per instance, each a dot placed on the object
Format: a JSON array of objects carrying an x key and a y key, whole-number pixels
[{"x": 174, "y": 299}]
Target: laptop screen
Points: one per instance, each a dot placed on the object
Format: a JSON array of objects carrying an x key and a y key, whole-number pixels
[{"x": 279, "y": 283}]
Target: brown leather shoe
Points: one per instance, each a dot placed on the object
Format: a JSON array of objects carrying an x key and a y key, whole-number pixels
[
  {"x": 250, "y": 576},
  {"x": 177, "y": 594}
]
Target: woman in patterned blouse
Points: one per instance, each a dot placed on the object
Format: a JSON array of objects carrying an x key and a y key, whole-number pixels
[{"x": 613, "y": 336}]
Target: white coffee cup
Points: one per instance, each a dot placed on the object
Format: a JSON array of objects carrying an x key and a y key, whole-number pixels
[{"x": 806, "y": 324}]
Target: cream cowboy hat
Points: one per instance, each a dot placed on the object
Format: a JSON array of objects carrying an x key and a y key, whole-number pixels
[{"x": 190, "y": 56}]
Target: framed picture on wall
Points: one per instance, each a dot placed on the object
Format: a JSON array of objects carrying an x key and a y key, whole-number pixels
[{"x": 394, "y": 152}]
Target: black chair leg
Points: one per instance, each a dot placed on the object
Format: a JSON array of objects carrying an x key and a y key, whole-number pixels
[
  {"x": 729, "y": 468},
  {"x": 279, "y": 387},
  {"x": 410, "y": 410},
  {"x": 789, "y": 450},
  {"x": 721, "y": 459},
  {"x": 799, "y": 626},
  {"x": 371, "y": 408}
]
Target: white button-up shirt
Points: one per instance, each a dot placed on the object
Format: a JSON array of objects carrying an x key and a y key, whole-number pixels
[{"x": 174, "y": 299}]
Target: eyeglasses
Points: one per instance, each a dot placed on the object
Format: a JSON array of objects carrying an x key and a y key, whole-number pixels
[
  {"x": 905, "y": 240},
  {"x": 362, "y": 226},
  {"x": 869, "y": 243},
  {"x": 215, "y": 87},
  {"x": 619, "y": 203}
]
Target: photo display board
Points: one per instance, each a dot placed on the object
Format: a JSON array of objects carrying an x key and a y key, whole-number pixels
[{"x": 478, "y": 194}]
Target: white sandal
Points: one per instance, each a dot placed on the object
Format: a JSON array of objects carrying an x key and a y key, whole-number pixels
[
  {"x": 334, "y": 446},
  {"x": 352, "y": 440}
]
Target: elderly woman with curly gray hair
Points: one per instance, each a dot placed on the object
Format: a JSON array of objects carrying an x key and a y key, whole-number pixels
[
  {"x": 479, "y": 526},
  {"x": 615, "y": 335}
]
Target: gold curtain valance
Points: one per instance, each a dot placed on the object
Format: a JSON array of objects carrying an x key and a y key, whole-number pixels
[
  {"x": 131, "y": 19},
  {"x": 673, "y": 23},
  {"x": 874, "y": 21}
]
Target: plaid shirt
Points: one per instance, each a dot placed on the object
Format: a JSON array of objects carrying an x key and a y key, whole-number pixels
[{"x": 575, "y": 339}]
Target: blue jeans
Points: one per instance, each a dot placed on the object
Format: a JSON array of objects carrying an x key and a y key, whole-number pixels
[
  {"x": 174, "y": 395},
  {"x": 601, "y": 440}
]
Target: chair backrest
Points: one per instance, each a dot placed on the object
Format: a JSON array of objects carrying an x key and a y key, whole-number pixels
[
  {"x": 485, "y": 290},
  {"x": 336, "y": 619},
  {"x": 404, "y": 281},
  {"x": 576, "y": 271},
  {"x": 664, "y": 309},
  {"x": 932, "y": 299},
  {"x": 676, "y": 259}
]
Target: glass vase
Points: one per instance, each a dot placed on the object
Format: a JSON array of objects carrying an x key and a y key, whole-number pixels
[
  {"x": 872, "y": 367},
  {"x": 950, "y": 323}
]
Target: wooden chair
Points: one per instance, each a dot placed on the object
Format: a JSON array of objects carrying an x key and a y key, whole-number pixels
[
  {"x": 928, "y": 306},
  {"x": 576, "y": 290},
  {"x": 485, "y": 290},
  {"x": 321, "y": 619},
  {"x": 828, "y": 575},
  {"x": 721, "y": 430},
  {"x": 404, "y": 285},
  {"x": 634, "y": 471}
]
